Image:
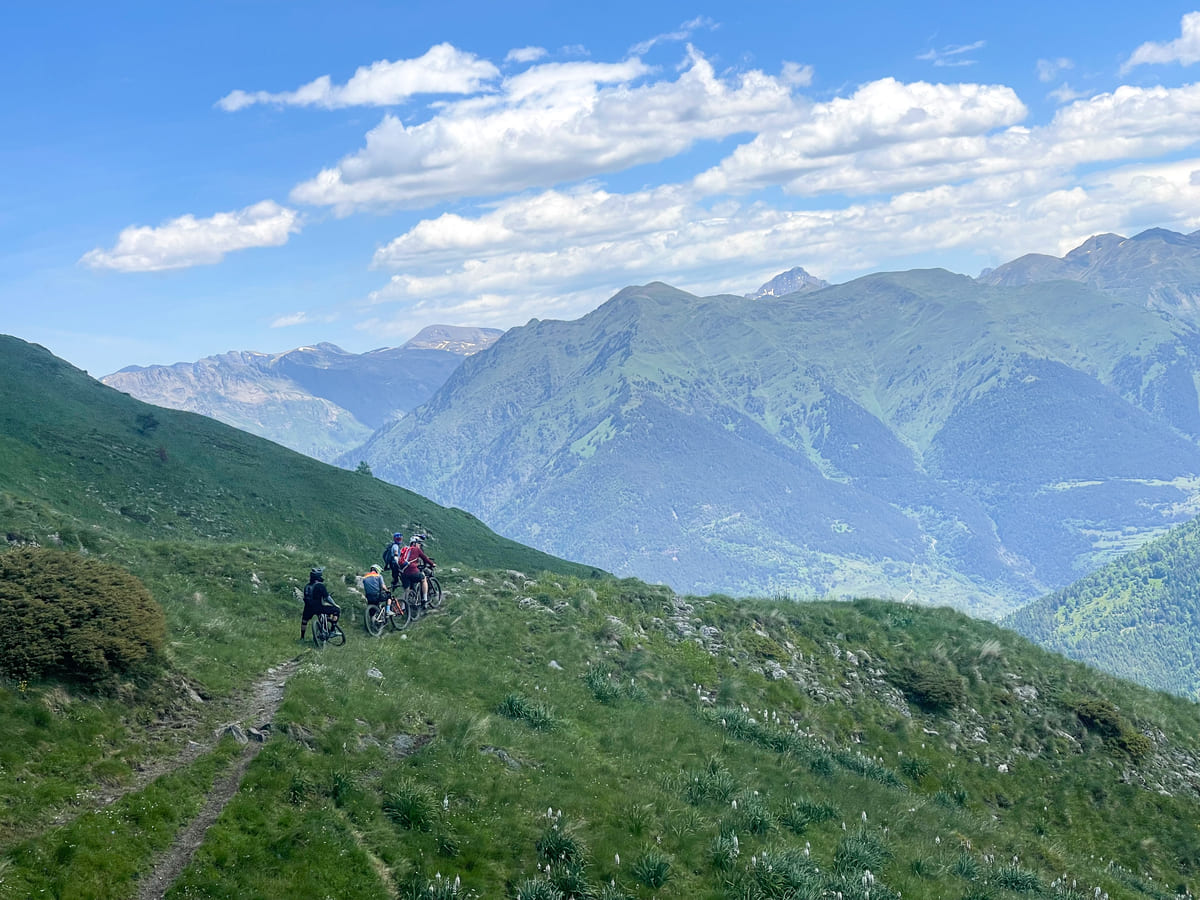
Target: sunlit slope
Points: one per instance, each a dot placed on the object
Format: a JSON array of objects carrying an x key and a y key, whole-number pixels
[
  {"x": 92, "y": 465},
  {"x": 906, "y": 434},
  {"x": 1137, "y": 617}
]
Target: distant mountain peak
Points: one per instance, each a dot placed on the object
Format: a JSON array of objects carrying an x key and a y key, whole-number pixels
[
  {"x": 457, "y": 339},
  {"x": 793, "y": 281}
]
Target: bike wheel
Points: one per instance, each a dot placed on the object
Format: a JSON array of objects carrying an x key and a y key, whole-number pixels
[
  {"x": 434, "y": 600},
  {"x": 337, "y": 637},
  {"x": 320, "y": 635},
  {"x": 412, "y": 600},
  {"x": 399, "y": 620},
  {"x": 375, "y": 619}
]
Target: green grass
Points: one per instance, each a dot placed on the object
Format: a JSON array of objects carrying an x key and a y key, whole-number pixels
[{"x": 556, "y": 719}]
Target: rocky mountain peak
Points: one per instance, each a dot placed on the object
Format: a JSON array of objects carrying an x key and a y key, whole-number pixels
[{"x": 793, "y": 281}]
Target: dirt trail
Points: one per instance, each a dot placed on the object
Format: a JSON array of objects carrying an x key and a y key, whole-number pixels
[{"x": 255, "y": 710}]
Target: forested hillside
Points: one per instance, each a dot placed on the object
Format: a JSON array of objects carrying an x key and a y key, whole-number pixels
[{"x": 1138, "y": 617}]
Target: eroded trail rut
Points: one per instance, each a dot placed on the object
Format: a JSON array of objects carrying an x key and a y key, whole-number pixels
[{"x": 258, "y": 709}]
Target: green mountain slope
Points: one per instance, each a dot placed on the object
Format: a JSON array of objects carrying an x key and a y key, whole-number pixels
[
  {"x": 907, "y": 434},
  {"x": 95, "y": 467},
  {"x": 1137, "y": 617},
  {"x": 550, "y": 732}
]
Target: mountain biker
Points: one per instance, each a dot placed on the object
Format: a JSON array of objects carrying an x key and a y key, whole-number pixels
[
  {"x": 411, "y": 559},
  {"x": 316, "y": 600},
  {"x": 391, "y": 557},
  {"x": 375, "y": 590}
]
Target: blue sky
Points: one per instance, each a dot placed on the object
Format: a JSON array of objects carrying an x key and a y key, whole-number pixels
[{"x": 180, "y": 180}]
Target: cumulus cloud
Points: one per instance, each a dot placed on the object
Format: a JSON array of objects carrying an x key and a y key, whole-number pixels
[
  {"x": 952, "y": 56},
  {"x": 188, "y": 241},
  {"x": 973, "y": 179},
  {"x": 552, "y": 123},
  {"x": 904, "y": 134},
  {"x": 443, "y": 69},
  {"x": 1185, "y": 49},
  {"x": 890, "y": 136},
  {"x": 559, "y": 254}
]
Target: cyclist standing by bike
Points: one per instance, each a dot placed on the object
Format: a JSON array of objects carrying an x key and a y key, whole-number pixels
[
  {"x": 391, "y": 557},
  {"x": 316, "y": 600},
  {"x": 412, "y": 558}
]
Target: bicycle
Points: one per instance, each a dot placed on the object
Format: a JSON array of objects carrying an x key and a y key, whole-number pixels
[
  {"x": 326, "y": 631},
  {"x": 433, "y": 598},
  {"x": 394, "y": 613}
]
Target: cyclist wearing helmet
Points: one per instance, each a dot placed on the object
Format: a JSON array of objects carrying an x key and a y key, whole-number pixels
[
  {"x": 411, "y": 559},
  {"x": 391, "y": 557},
  {"x": 373, "y": 586},
  {"x": 316, "y": 600}
]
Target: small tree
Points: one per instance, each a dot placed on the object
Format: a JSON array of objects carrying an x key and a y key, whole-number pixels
[
  {"x": 363, "y": 468},
  {"x": 79, "y": 619}
]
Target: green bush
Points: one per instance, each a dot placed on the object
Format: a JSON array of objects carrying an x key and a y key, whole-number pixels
[
  {"x": 77, "y": 618},
  {"x": 935, "y": 687}
]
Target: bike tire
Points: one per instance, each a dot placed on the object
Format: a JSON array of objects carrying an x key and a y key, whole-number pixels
[
  {"x": 337, "y": 637},
  {"x": 412, "y": 600},
  {"x": 374, "y": 625},
  {"x": 319, "y": 635},
  {"x": 399, "y": 621},
  {"x": 434, "y": 600}
]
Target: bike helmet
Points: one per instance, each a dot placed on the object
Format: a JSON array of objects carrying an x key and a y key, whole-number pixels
[
  {"x": 318, "y": 573},
  {"x": 397, "y": 536},
  {"x": 418, "y": 539},
  {"x": 374, "y": 569}
]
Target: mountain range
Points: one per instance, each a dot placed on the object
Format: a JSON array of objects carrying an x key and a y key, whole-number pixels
[
  {"x": 551, "y": 732},
  {"x": 921, "y": 435},
  {"x": 320, "y": 401},
  {"x": 914, "y": 434}
]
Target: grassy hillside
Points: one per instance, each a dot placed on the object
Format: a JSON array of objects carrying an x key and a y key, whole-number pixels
[
  {"x": 550, "y": 733},
  {"x": 1138, "y": 617}
]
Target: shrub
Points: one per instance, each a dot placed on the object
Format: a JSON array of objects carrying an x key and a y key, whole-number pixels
[
  {"x": 80, "y": 619},
  {"x": 935, "y": 687}
]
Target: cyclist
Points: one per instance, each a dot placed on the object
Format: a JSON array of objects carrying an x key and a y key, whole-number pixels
[
  {"x": 391, "y": 557},
  {"x": 411, "y": 559},
  {"x": 316, "y": 600},
  {"x": 375, "y": 590}
]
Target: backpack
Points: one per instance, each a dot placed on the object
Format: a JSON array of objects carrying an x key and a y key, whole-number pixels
[
  {"x": 308, "y": 593},
  {"x": 387, "y": 556}
]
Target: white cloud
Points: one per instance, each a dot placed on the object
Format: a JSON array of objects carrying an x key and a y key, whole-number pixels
[
  {"x": 1185, "y": 49},
  {"x": 525, "y": 54},
  {"x": 560, "y": 254},
  {"x": 796, "y": 75},
  {"x": 287, "y": 321},
  {"x": 443, "y": 69},
  {"x": 683, "y": 33},
  {"x": 1064, "y": 93},
  {"x": 953, "y": 55},
  {"x": 902, "y": 133},
  {"x": 889, "y": 136},
  {"x": 188, "y": 241},
  {"x": 552, "y": 123},
  {"x": 1048, "y": 69}
]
